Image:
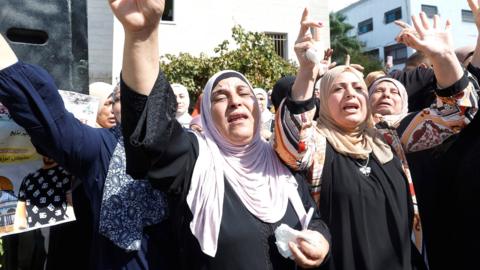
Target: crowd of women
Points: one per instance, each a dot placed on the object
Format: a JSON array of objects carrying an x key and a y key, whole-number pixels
[{"x": 327, "y": 182}]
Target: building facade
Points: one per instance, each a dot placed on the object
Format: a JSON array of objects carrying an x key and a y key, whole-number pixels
[
  {"x": 373, "y": 22},
  {"x": 198, "y": 27}
]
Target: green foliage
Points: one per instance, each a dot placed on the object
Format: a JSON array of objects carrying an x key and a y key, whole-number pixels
[
  {"x": 1, "y": 253},
  {"x": 342, "y": 44},
  {"x": 254, "y": 56}
]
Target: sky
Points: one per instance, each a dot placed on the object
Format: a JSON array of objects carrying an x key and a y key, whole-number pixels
[{"x": 335, "y": 5}]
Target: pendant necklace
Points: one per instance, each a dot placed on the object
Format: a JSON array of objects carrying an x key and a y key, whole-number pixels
[{"x": 364, "y": 168}]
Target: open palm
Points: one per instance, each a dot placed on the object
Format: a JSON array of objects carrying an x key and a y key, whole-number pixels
[
  {"x": 429, "y": 39},
  {"x": 138, "y": 15}
]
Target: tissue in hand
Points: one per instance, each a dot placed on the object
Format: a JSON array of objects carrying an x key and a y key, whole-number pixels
[
  {"x": 284, "y": 234},
  {"x": 314, "y": 56}
]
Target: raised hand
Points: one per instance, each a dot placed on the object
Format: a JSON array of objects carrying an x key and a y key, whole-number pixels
[
  {"x": 326, "y": 64},
  {"x": 431, "y": 40},
  {"x": 474, "y": 6},
  {"x": 305, "y": 40},
  {"x": 138, "y": 15},
  {"x": 302, "y": 88},
  {"x": 436, "y": 44}
]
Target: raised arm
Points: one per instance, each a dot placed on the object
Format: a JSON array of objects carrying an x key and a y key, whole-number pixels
[
  {"x": 156, "y": 146},
  {"x": 140, "y": 20},
  {"x": 437, "y": 45},
  {"x": 32, "y": 98},
  {"x": 474, "y": 6},
  {"x": 307, "y": 73}
]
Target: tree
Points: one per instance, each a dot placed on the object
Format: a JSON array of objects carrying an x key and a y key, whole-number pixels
[
  {"x": 343, "y": 44},
  {"x": 254, "y": 56}
]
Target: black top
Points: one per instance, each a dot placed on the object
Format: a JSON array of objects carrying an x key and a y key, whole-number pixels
[
  {"x": 454, "y": 215},
  {"x": 420, "y": 84},
  {"x": 45, "y": 195},
  {"x": 369, "y": 216},
  {"x": 162, "y": 150}
]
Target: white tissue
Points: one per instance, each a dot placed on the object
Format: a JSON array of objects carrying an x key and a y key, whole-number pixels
[
  {"x": 314, "y": 55},
  {"x": 285, "y": 234}
]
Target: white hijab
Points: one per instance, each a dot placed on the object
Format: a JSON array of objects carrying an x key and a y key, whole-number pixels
[
  {"x": 183, "y": 118},
  {"x": 393, "y": 119},
  {"x": 266, "y": 114}
]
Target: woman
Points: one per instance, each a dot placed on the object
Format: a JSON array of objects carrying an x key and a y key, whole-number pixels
[
  {"x": 364, "y": 193},
  {"x": 227, "y": 184},
  {"x": 183, "y": 102},
  {"x": 389, "y": 102},
  {"x": 123, "y": 214},
  {"x": 228, "y": 190},
  {"x": 266, "y": 115},
  {"x": 103, "y": 91}
]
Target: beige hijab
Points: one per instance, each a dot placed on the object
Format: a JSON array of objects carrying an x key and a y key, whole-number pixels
[{"x": 358, "y": 143}]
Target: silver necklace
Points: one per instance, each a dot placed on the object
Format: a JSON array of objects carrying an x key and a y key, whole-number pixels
[{"x": 364, "y": 168}]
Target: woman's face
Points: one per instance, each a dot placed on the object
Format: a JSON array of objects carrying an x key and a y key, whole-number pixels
[
  {"x": 347, "y": 102},
  {"x": 117, "y": 107},
  {"x": 183, "y": 101},
  {"x": 262, "y": 102},
  {"x": 386, "y": 99},
  {"x": 233, "y": 110},
  {"x": 105, "y": 117}
]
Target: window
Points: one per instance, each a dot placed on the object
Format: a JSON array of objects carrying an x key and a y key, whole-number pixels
[
  {"x": 365, "y": 26},
  {"x": 168, "y": 11},
  {"x": 393, "y": 15},
  {"x": 430, "y": 11},
  {"x": 398, "y": 51},
  {"x": 467, "y": 16},
  {"x": 280, "y": 42},
  {"x": 375, "y": 53}
]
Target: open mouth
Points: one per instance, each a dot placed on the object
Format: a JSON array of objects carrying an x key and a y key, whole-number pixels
[
  {"x": 237, "y": 117},
  {"x": 384, "y": 104},
  {"x": 351, "y": 107}
]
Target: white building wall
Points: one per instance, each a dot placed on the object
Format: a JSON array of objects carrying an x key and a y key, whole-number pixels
[
  {"x": 100, "y": 40},
  {"x": 464, "y": 33},
  {"x": 199, "y": 26}
]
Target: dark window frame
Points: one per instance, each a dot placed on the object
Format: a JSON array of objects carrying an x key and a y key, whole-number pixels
[
  {"x": 425, "y": 8},
  {"x": 374, "y": 53},
  {"x": 467, "y": 18},
  {"x": 169, "y": 11},
  {"x": 368, "y": 24},
  {"x": 399, "y": 52},
  {"x": 397, "y": 15},
  {"x": 280, "y": 42}
]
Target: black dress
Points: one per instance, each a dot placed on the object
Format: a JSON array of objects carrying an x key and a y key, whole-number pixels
[
  {"x": 159, "y": 148},
  {"x": 369, "y": 216}
]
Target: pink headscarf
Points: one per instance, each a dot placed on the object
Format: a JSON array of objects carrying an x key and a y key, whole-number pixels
[{"x": 261, "y": 181}]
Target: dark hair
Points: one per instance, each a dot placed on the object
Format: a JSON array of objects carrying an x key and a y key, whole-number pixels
[{"x": 280, "y": 90}]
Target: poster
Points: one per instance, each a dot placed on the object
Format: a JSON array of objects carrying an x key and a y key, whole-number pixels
[{"x": 32, "y": 193}]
